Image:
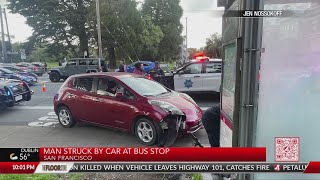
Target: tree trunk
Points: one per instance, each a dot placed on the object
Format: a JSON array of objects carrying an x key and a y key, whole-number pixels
[
  {"x": 84, "y": 42},
  {"x": 112, "y": 57},
  {"x": 83, "y": 37}
]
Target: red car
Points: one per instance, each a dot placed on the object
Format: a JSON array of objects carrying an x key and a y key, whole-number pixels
[{"x": 127, "y": 102}]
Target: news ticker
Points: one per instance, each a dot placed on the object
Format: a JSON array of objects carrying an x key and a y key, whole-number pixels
[{"x": 155, "y": 167}]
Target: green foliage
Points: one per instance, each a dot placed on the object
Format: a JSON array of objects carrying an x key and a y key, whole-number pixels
[
  {"x": 67, "y": 28},
  {"x": 166, "y": 14},
  {"x": 55, "y": 22},
  {"x": 151, "y": 37},
  {"x": 121, "y": 25},
  {"x": 213, "y": 46},
  {"x": 27, "y": 177},
  {"x": 196, "y": 177}
]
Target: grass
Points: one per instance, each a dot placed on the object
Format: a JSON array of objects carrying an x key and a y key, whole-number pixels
[
  {"x": 51, "y": 65},
  {"x": 196, "y": 177},
  {"x": 41, "y": 177}
]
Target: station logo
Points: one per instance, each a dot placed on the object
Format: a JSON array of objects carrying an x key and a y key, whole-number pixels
[
  {"x": 277, "y": 167},
  {"x": 54, "y": 168}
]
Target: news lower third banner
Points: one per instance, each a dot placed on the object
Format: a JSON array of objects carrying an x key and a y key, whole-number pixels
[{"x": 156, "y": 160}]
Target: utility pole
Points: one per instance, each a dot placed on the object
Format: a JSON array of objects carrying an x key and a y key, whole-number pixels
[
  {"x": 99, "y": 28},
  {"x": 4, "y": 50},
  {"x": 187, "y": 33},
  {"x": 8, "y": 34}
]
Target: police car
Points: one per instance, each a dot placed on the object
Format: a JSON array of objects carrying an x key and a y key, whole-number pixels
[{"x": 199, "y": 75}]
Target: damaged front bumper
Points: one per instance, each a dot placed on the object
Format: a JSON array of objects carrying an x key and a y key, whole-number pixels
[{"x": 195, "y": 127}]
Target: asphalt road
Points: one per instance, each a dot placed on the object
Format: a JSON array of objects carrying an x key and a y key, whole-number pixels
[{"x": 34, "y": 124}]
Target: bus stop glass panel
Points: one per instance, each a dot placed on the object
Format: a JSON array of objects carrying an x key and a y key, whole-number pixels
[
  {"x": 229, "y": 79},
  {"x": 289, "y": 92}
]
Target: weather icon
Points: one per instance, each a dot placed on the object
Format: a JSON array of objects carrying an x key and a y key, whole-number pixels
[{"x": 13, "y": 157}]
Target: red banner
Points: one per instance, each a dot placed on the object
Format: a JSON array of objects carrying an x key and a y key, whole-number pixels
[
  {"x": 153, "y": 154},
  {"x": 18, "y": 167},
  {"x": 313, "y": 167}
]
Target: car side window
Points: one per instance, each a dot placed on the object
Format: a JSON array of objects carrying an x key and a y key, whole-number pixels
[
  {"x": 107, "y": 87},
  {"x": 72, "y": 62},
  {"x": 84, "y": 84},
  {"x": 93, "y": 62},
  {"x": 82, "y": 62},
  {"x": 193, "y": 69},
  {"x": 128, "y": 94},
  {"x": 213, "y": 68}
]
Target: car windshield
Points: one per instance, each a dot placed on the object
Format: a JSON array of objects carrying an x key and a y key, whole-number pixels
[
  {"x": 144, "y": 86},
  {"x": 165, "y": 68},
  {"x": 6, "y": 71}
]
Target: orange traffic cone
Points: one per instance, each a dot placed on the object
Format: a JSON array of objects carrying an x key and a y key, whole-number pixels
[{"x": 44, "y": 89}]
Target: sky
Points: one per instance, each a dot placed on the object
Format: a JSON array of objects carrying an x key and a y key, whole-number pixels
[{"x": 201, "y": 22}]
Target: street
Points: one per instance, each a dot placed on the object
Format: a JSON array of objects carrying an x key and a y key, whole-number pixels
[{"x": 34, "y": 124}]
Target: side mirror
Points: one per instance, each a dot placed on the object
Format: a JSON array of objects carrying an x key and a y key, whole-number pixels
[
  {"x": 119, "y": 95},
  {"x": 180, "y": 72}
]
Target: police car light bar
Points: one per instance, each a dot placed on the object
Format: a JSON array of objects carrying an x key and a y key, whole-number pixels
[{"x": 201, "y": 58}]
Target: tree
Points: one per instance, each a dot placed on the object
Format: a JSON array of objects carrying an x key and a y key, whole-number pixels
[
  {"x": 121, "y": 25},
  {"x": 166, "y": 14},
  {"x": 151, "y": 37},
  {"x": 213, "y": 46},
  {"x": 56, "y": 21}
]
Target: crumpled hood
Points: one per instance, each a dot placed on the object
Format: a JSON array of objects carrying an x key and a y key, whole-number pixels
[{"x": 192, "y": 111}]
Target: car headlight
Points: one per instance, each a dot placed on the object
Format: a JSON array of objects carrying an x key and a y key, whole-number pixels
[
  {"x": 187, "y": 97},
  {"x": 167, "y": 107}
]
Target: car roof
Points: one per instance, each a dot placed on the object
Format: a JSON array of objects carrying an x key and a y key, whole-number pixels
[{"x": 110, "y": 74}]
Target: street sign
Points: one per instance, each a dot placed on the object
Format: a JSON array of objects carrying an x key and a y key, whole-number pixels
[{"x": 23, "y": 54}]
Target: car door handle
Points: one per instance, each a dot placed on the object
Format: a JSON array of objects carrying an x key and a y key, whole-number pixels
[{"x": 196, "y": 76}]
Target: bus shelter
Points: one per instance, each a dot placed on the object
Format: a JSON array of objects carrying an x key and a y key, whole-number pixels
[{"x": 271, "y": 79}]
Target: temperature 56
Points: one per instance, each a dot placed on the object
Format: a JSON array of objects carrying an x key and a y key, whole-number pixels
[{"x": 24, "y": 156}]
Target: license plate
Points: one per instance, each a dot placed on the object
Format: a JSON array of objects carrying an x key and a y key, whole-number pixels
[{"x": 18, "y": 98}]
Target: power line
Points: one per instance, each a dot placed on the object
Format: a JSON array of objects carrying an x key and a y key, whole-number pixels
[
  {"x": 128, "y": 38},
  {"x": 117, "y": 41}
]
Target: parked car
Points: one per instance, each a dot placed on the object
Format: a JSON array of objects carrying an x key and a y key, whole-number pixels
[
  {"x": 39, "y": 68},
  {"x": 6, "y": 73},
  {"x": 126, "y": 101},
  {"x": 14, "y": 91},
  {"x": 17, "y": 70},
  {"x": 31, "y": 68},
  {"x": 76, "y": 66},
  {"x": 148, "y": 65}
]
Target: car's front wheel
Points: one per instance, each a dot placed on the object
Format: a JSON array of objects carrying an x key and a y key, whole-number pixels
[
  {"x": 145, "y": 132},
  {"x": 65, "y": 117},
  {"x": 54, "y": 77}
]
